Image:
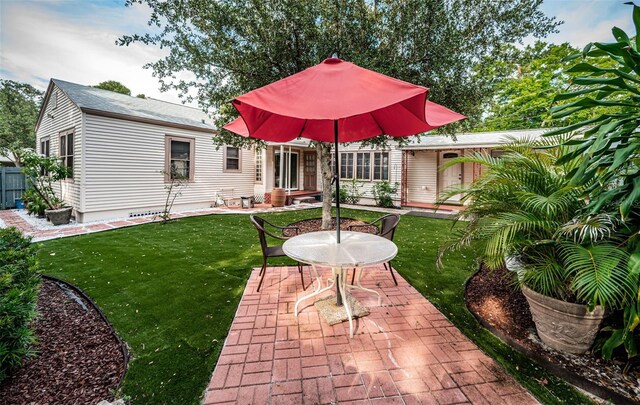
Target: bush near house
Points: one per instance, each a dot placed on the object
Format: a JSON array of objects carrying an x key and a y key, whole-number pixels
[
  {"x": 19, "y": 286},
  {"x": 383, "y": 194}
]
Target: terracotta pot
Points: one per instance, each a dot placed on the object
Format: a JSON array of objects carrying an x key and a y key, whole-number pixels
[
  {"x": 278, "y": 197},
  {"x": 564, "y": 326},
  {"x": 60, "y": 216}
]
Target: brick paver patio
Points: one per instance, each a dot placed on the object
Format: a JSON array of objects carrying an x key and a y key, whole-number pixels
[{"x": 404, "y": 352}]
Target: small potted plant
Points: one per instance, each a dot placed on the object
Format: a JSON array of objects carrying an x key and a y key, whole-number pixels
[{"x": 43, "y": 172}]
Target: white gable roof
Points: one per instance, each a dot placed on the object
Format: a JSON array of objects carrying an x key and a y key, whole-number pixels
[{"x": 473, "y": 139}]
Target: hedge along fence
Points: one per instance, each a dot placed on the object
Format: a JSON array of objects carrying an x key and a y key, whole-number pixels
[{"x": 19, "y": 287}]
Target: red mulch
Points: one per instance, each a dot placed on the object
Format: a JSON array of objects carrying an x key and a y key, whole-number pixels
[
  {"x": 314, "y": 225},
  {"x": 79, "y": 361},
  {"x": 494, "y": 297}
]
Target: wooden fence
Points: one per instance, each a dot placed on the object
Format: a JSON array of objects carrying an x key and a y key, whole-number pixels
[{"x": 12, "y": 185}]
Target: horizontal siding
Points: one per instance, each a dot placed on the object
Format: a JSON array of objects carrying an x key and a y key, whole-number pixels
[
  {"x": 422, "y": 176},
  {"x": 125, "y": 160},
  {"x": 395, "y": 169},
  {"x": 65, "y": 116}
]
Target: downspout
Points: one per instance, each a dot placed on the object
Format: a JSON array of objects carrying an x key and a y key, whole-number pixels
[{"x": 280, "y": 182}]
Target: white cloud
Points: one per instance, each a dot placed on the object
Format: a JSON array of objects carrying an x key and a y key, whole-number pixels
[
  {"x": 588, "y": 20},
  {"x": 39, "y": 41}
]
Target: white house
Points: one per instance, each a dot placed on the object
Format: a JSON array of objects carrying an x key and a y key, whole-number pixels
[
  {"x": 415, "y": 168},
  {"x": 422, "y": 179},
  {"x": 121, "y": 147}
]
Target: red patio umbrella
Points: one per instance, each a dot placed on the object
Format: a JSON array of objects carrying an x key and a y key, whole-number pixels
[{"x": 337, "y": 101}]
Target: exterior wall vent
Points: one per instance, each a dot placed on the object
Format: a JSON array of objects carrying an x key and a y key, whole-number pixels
[{"x": 144, "y": 214}]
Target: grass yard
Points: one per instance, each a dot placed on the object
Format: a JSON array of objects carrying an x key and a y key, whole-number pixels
[{"x": 171, "y": 292}]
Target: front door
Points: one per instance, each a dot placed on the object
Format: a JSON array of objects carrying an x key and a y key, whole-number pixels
[
  {"x": 451, "y": 176},
  {"x": 310, "y": 171}
]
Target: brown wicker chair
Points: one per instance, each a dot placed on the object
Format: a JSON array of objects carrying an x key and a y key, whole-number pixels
[
  {"x": 386, "y": 228},
  {"x": 271, "y": 251}
]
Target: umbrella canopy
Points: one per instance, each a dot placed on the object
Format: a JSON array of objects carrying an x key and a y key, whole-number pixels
[
  {"x": 364, "y": 103},
  {"x": 337, "y": 101}
]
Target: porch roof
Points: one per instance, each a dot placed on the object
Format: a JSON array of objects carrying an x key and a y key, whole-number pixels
[
  {"x": 473, "y": 140},
  {"x": 298, "y": 143}
]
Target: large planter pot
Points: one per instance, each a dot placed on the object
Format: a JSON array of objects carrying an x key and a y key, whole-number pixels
[
  {"x": 278, "y": 197},
  {"x": 564, "y": 326},
  {"x": 60, "y": 216}
]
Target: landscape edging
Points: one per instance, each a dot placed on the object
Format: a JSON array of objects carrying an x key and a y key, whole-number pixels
[{"x": 123, "y": 346}]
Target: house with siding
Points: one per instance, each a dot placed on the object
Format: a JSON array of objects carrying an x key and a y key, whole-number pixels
[
  {"x": 416, "y": 167},
  {"x": 121, "y": 149}
]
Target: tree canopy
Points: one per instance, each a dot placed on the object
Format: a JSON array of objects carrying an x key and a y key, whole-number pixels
[
  {"x": 19, "y": 105},
  {"x": 113, "y": 85},
  {"x": 526, "y": 80},
  {"x": 230, "y": 47}
]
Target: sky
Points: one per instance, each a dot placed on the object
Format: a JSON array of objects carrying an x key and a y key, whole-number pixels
[{"x": 74, "y": 40}]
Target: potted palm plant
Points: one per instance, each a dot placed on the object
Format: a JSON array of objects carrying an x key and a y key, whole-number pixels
[
  {"x": 43, "y": 172},
  {"x": 569, "y": 270}
]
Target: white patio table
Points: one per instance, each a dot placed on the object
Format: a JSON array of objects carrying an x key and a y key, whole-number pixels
[{"x": 355, "y": 250}]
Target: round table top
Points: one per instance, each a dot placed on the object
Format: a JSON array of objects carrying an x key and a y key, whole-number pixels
[{"x": 356, "y": 249}]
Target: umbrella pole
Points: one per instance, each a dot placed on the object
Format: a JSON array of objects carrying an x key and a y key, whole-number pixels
[
  {"x": 337, "y": 174},
  {"x": 337, "y": 178}
]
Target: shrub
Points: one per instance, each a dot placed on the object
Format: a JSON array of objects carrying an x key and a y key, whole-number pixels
[
  {"x": 19, "y": 286},
  {"x": 34, "y": 203},
  {"x": 383, "y": 194},
  {"x": 352, "y": 189},
  {"x": 343, "y": 195},
  {"x": 42, "y": 173},
  {"x": 524, "y": 206}
]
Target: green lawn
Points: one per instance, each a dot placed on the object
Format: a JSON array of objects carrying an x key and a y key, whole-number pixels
[{"x": 171, "y": 292}]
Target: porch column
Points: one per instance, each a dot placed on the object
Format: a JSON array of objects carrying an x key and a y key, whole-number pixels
[
  {"x": 281, "y": 182},
  {"x": 289, "y": 171}
]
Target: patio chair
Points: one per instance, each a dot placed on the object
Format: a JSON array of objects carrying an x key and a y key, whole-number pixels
[
  {"x": 271, "y": 251},
  {"x": 385, "y": 227}
]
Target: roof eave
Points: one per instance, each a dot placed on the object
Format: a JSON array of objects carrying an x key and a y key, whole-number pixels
[
  {"x": 43, "y": 107},
  {"x": 152, "y": 121}
]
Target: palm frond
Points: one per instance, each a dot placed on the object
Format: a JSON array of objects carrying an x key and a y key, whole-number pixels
[{"x": 598, "y": 273}]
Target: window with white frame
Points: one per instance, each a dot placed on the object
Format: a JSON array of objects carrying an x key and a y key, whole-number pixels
[
  {"x": 381, "y": 165},
  {"x": 66, "y": 150},
  {"x": 346, "y": 165},
  {"x": 179, "y": 154},
  {"x": 44, "y": 147},
  {"x": 360, "y": 165},
  {"x": 363, "y": 166},
  {"x": 258, "y": 166},
  {"x": 232, "y": 159}
]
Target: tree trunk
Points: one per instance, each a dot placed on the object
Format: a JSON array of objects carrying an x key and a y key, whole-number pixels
[{"x": 324, "y": 156}]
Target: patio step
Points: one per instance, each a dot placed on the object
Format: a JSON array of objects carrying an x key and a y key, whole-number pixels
[{"x": 304, "y": 200}]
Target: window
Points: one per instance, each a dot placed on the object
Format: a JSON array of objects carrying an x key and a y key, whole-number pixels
[
  {"x": 290, "y": 166},
  {"x": 231, "y": 159},
  {"x": 179, "y": 154},
  {"x": 497, "y": 153},
  {"x": 358, "y": 165},
  {"x": 346, "y": 165},
  {"x": 44, "y": 147},
  {"x": 381, "y": 166},
  {"x": 54, "y": 99},
  {"x": 66, "y": 150},
  {"x": 258, "y": 166},
  {"x": 363, "y": 166}
]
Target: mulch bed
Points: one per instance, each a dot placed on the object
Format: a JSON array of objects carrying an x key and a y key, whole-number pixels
[
  {"x": 79, "y": 360},
  {"x": 315, "y": 224},
  {"x": 493, "y": 296}
]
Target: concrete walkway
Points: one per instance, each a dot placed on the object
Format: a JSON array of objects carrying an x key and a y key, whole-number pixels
[
  {"x": 404, "y": 352},
  {"x": 12, "y": 218}
]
